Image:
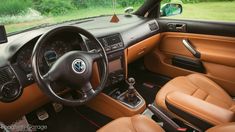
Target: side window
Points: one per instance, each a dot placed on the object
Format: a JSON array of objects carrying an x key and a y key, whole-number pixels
[{"x": 210, "y": 10}]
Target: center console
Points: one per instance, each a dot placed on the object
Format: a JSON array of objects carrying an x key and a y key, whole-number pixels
[
  {"x": 114, "y": 47},
  {"x": 117, "y": 99},
  {"x": 128, "y": 96}
]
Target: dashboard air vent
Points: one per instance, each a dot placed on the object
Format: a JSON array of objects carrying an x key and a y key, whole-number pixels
[
  {"x": 111, "y": 40},
  {"x": 10, "y": 88},
  {"x": 153, "y": 26},
  {"x": 93, "y": 45},
  {"x": 5, "y": 76}
]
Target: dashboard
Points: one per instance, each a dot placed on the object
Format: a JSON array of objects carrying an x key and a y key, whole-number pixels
[{"x": 16, "y": 79}]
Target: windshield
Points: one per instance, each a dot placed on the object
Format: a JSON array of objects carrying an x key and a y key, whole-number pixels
[{"x": 18, "y": 15}]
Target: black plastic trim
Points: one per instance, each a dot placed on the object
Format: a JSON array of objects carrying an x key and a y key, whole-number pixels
[
  {"x": 200, "y": 123},
  {"x": 200, "y": 27},
  {"x": 189, "y": 64}
]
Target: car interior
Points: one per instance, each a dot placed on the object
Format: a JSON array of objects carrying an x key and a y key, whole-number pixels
[{"x": 136, "y": 72}]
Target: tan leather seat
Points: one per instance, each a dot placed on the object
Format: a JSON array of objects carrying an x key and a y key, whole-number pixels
[
  {"x": 199, "y": 96},
  {"x": 228, "y": 127},
  {"x": 137, "y": 123},
  {"x": 140, "y": 123}
]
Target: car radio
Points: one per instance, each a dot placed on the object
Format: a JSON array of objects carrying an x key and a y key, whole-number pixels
[{"x": 116, "y": 70}]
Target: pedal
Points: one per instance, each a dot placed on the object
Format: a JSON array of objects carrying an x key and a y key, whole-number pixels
[
  {"x": 57, "y": 107},
  {"x": 42, "y": 115}
]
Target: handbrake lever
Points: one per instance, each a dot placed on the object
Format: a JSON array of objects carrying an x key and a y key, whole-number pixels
[{"x": 171, "y": 125}]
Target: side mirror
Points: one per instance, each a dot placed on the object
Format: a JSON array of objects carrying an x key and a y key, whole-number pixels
[
  {"x": 171, "y": 9},
  {"x": 129, "y": 10},
  {"x": 3, "y": 35}
]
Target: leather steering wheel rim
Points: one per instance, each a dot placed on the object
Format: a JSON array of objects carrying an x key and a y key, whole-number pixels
[{"x": 44, "y": 81}]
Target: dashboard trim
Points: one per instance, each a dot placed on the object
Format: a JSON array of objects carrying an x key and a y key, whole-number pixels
[{"x": 31, "y": 99}]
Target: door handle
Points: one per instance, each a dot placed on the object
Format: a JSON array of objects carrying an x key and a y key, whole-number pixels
[
  {"x": 191, "y": 49},
  {"x": 177, "y": 27},
  {"x": 180, "y": 27}
]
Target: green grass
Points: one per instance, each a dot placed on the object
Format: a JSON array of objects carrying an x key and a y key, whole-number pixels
[
  {"x": 219, "y": 11},
  {"x": 14, "y": 7},
  {"x": 83, "y": 13},
  {"x": 75, "y": 14}
]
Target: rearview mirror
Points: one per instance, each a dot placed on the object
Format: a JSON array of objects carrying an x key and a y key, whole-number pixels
[
  {"x": 3, "y": 35},
  {"x": 171, "y": 9}
]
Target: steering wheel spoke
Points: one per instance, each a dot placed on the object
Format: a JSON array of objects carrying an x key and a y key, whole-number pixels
[
  {"x": 46, "y": 78},
  {"x": 87, "y": 89},
  {"x": 50, "y": 76},
  {"x": 95, "y": 55}
]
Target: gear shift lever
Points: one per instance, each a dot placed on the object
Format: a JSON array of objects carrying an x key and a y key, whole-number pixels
[
  {"x": 131, "y": 92},
  {"x": 130, "y": 82},
  {"x": 130, "y": 97}
]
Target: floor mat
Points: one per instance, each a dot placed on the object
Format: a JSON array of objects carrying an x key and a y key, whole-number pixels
[
  {"x": 71, "y": 120},
  {"x": 147, "y": 83},
  {"x": 147, "y": 93},
  {"x": 96, "y": 117}
]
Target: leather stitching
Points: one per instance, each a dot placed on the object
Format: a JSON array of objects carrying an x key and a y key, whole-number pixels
[
  {"x": 206, "y": 97},
  {"x": 211, "y": 83},
  {"x": 194, "y": 92}
]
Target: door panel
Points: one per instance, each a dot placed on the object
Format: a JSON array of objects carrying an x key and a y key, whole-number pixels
[
  {"x": 215, "y": 49},
  {"x": 217, "y": 57}
]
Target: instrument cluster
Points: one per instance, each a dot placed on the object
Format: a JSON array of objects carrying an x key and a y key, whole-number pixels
[{"x": 51, "y": 51}]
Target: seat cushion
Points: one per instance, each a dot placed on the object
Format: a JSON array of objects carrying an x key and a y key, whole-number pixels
[
  {"x": 198, "y": 86},
  {"x": 228, "y": 127},
  {"x": 137, "y": 123},
  {"x": 197, "y": 111}
]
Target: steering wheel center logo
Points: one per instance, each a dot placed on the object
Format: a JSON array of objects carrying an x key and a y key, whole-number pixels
[{"x": 79, "y": 66}]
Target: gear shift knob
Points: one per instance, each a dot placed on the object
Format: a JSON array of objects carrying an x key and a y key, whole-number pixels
[{"x": 131, "y": 81}]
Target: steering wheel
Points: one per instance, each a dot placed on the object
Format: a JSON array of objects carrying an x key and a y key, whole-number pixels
[{"x": 73, "y": 68}]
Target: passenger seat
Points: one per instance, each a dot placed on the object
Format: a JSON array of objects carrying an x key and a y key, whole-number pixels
[
  {"x": 141, "y": 123},
  {"x": 197, "y": 100}
]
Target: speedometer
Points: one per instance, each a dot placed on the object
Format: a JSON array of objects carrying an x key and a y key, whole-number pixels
[{"x": 60, "y": 47}]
